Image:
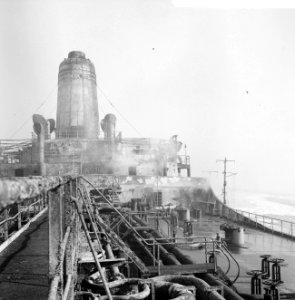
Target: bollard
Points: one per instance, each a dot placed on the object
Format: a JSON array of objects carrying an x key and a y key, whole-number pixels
[
  {"x": 265, "y": 266},
  {"x": 255, "y": 281}
]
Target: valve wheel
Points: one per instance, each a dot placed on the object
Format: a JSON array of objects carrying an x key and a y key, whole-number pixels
[
  {"x": 255, "y": 273},
  {"x": 277, "y": 260},
  {"x": 272, "y": 283}
]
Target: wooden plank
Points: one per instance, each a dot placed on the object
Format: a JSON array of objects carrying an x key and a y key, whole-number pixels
[
  {"x": 182, "y": 269},
  {"x": 104, "y": 262}
]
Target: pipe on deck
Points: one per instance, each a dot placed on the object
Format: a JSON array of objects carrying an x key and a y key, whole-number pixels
[
  {"x": 163, "y": 289},
  {"x": 211, "y": 279},
  {"x": 202, "y": 287},
  {"x": 140, "y": 295},
  {"x": 229, "y": 294},
  {"x": 117, "y": 240},
  {"x": 180, "y": 257},
  {"x": 166, "y": 257}
]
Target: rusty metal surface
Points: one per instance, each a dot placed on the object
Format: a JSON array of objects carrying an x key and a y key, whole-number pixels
[{"x": 77, "y": 108}]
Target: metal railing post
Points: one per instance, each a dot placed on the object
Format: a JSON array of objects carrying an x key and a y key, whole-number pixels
[
  {"x": 19, "y": 217},
  {"x": 271, "y": 225},
  {"x": 158, "y": 255},
  {"x": 154, "y": 253},
  {"x": 34, "y": 207},
  {"x": 206, "y": 261},
  {"x": 6, "y": 226}
]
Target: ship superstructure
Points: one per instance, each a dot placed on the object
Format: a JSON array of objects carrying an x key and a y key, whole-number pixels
[{"x": 125, "y": 219}]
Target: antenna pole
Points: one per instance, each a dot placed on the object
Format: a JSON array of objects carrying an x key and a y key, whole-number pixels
[{"x": 225, "y": 175}]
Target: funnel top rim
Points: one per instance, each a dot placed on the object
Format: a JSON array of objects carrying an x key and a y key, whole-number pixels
[{"x": 76, "y": 54}]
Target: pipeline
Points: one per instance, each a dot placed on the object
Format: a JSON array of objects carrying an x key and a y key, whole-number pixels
[
  {"x": 117, "y": 240},
  {"x": 149, "y": 258},
  {"x": 166, "y": 257},
  {"x": 175, "y": 291},
  {"x": 140, "y": 294},
  {"x": 229, "y": 293},
  {"x": 211, "y": 279},
  {"x": 181, "y": 258},
  {"x": 202, "y": 288},
  {"x": 163, "y": 289},
  {"x": 109, "y": 253}
]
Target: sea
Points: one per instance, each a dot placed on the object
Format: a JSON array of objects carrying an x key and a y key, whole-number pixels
[{"x": 266, "y": 204}]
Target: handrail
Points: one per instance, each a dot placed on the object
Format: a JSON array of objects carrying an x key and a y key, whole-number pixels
[
  {"x": 91, "y": 218},
  {"x": 97, "y": 263},
  {"x": 276, "y": 225},
  {"x": 167, "y": 241},
  {"x": 262, "y": 216},
  {"x": 12, "y": 225},
  {"x": 112, "y": 206},
  {"x": 17, "y": 214}
]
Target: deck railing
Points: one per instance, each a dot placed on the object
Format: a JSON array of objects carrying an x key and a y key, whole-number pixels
[
  {"x": 273, "y": 225},
  {"x": 15, "y": 218}
]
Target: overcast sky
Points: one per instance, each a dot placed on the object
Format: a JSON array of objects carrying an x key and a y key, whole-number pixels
[{"x": 222, "y": 79}]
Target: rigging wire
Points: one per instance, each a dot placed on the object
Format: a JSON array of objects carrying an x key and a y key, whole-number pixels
[
  {"x": 122, "y": 116},
  {"x": 28, "y": 119}
]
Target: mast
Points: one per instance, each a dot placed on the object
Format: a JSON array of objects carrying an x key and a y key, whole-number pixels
[{"x": 225, "y": 175}]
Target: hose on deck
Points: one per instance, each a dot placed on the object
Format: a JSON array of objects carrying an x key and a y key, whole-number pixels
[{"x": 203, "y": 289}]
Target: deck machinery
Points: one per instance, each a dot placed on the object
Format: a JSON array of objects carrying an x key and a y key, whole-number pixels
[{"x": 110, "y": 251}]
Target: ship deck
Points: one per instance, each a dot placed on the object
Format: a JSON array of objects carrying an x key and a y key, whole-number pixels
[
  {"x": 24, "y": 264},
  {"x": 256, "y": 243}
]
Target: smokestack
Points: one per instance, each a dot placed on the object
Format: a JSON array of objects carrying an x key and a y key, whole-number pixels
[
  {"x": 77, "y": 109},
  {"x": 108, "y": 125}
]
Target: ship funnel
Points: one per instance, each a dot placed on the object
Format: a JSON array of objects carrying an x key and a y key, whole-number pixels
[
  {"x": 108, "y": 125},
  {"x": 77, "y": 109}
]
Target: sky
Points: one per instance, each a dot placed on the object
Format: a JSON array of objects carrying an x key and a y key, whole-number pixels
[{"x": 221, "y": 78}]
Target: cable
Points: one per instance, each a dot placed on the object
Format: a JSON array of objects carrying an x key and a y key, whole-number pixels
[
  {"x": 125, "y": 119},
  {"x": 28, "y": 119}
]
